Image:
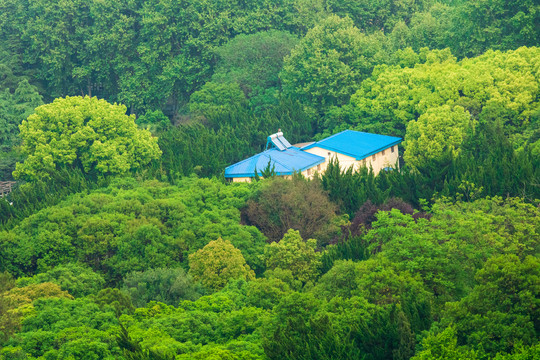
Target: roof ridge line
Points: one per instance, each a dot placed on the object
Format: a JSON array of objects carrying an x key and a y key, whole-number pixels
[
  {"x": 338, "y": 151},
  {"x": 331, "y": 136},
  {"x": 280, "y": 163},
  {"x": 252, "y": 156},
  {"x": 307, "y": 154}
]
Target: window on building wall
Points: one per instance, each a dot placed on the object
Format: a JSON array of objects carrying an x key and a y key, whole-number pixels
[
  {"x": 329, "y": 153},
  {"x": 319, "y": 167},
  {"x": 383, "y": 153},
  {"x": 392, "y": 149},
  {"x": 374, "y": 157},
  {"x": 309, "y": 172}
]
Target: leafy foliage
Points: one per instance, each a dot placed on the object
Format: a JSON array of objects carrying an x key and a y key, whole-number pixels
[
  {"x": 94, "y": 249},
  {"x": 17, "y": 302},
  {"x": 16, "y": 105},
  {"x": 479, "y": 26},
  {"x": 85, "y": 133},
  {"x": 254, "y": 62},
  {"x": 167, "y": 286},
  {"x": 131, "y": 227},
  {"x": 216, "y": 97},
  {"x": 493, "y": 86},
  {"x": 294, "y": 254},
  {"x": 217, "y": 263},
  {"x": 14, "y": 108},
  {"x": 297, "y": 204},
  {"x": 76, "y": 279},
  {"x": 328, "y": 63},
  {"x": 502, "y": 309},
  {"x": 456, "y": 241}
]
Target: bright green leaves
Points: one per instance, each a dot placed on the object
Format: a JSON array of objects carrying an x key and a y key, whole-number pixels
[
  {"x": 17, "y": 302},
  {"x": 456, "y": 241},
  {"x": 439, "y": 101},
  {"x": 438, "y": 131},
  {"x": 83, "y": 132},
  {"x": 444, "y": 346},
  {"x": 216, "y": 97},
  {"x": 77, "y": 328},
  {"x": 294, "y": 254},
  {"x": 327, "y": 65},
  {"x": 76, "y": 279},
  {"x": 217, "y": 263},
  {"x": 132, "y": 227}
]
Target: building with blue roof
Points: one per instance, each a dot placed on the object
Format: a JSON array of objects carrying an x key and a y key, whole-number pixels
[
  {"x": 357, "y": 149},
  {"x": 350, "y": 148},
  {"x": 284, "y": 162}
]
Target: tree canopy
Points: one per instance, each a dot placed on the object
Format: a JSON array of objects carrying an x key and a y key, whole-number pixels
[
  {"x": 217, "y": 263},
  {"x": 327, "y": 65},
  {"x": 87, "y": 133},
  {"x": 122, "y": 239}
]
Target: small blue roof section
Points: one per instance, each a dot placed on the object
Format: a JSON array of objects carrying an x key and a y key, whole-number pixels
[
  {"x": 356, "y": 144},
  {"x": 286, "y": 162}
]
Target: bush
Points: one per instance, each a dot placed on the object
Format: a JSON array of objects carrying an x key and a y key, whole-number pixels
[
  {"x": 297, "y": 204},
  {"x": 78, "y": 280},
  {"x": 163, "y": 284},
  {"x": 217, "y": 263},
  {"x": 295, "y": 254}
]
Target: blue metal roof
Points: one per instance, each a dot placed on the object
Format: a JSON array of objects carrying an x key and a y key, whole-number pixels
[
  {"x": 355, "y": 143},
  {"x": 286, "y": 162}
]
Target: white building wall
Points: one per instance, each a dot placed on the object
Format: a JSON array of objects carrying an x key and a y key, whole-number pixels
[
  {"x": 241, "y": 179},
  {"x": 344, "y": 161},
  {"x": 383, "y": 159},
  {"x": 378, "y": 161}
]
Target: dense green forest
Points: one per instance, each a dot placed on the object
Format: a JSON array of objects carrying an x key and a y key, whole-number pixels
[{"x": 122, "y": 240}]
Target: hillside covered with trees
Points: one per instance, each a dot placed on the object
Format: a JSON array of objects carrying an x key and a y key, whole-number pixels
[{"x": 122, "y": 239}]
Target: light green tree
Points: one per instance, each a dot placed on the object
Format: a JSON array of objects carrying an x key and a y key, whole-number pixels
[
  {"x": 438, "y": 130},
  {"x": 496, "y": 87},
  {"x": 217, "y": 263},
  {"x": 87, "y": 133},
  {"x": 78, "y": 280},
  {"x": 215, "y": 97},
  {"x": 444, "y": 346},
  {"x": 294, "y": 254},
  {"x": 327, "y": 65}
]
